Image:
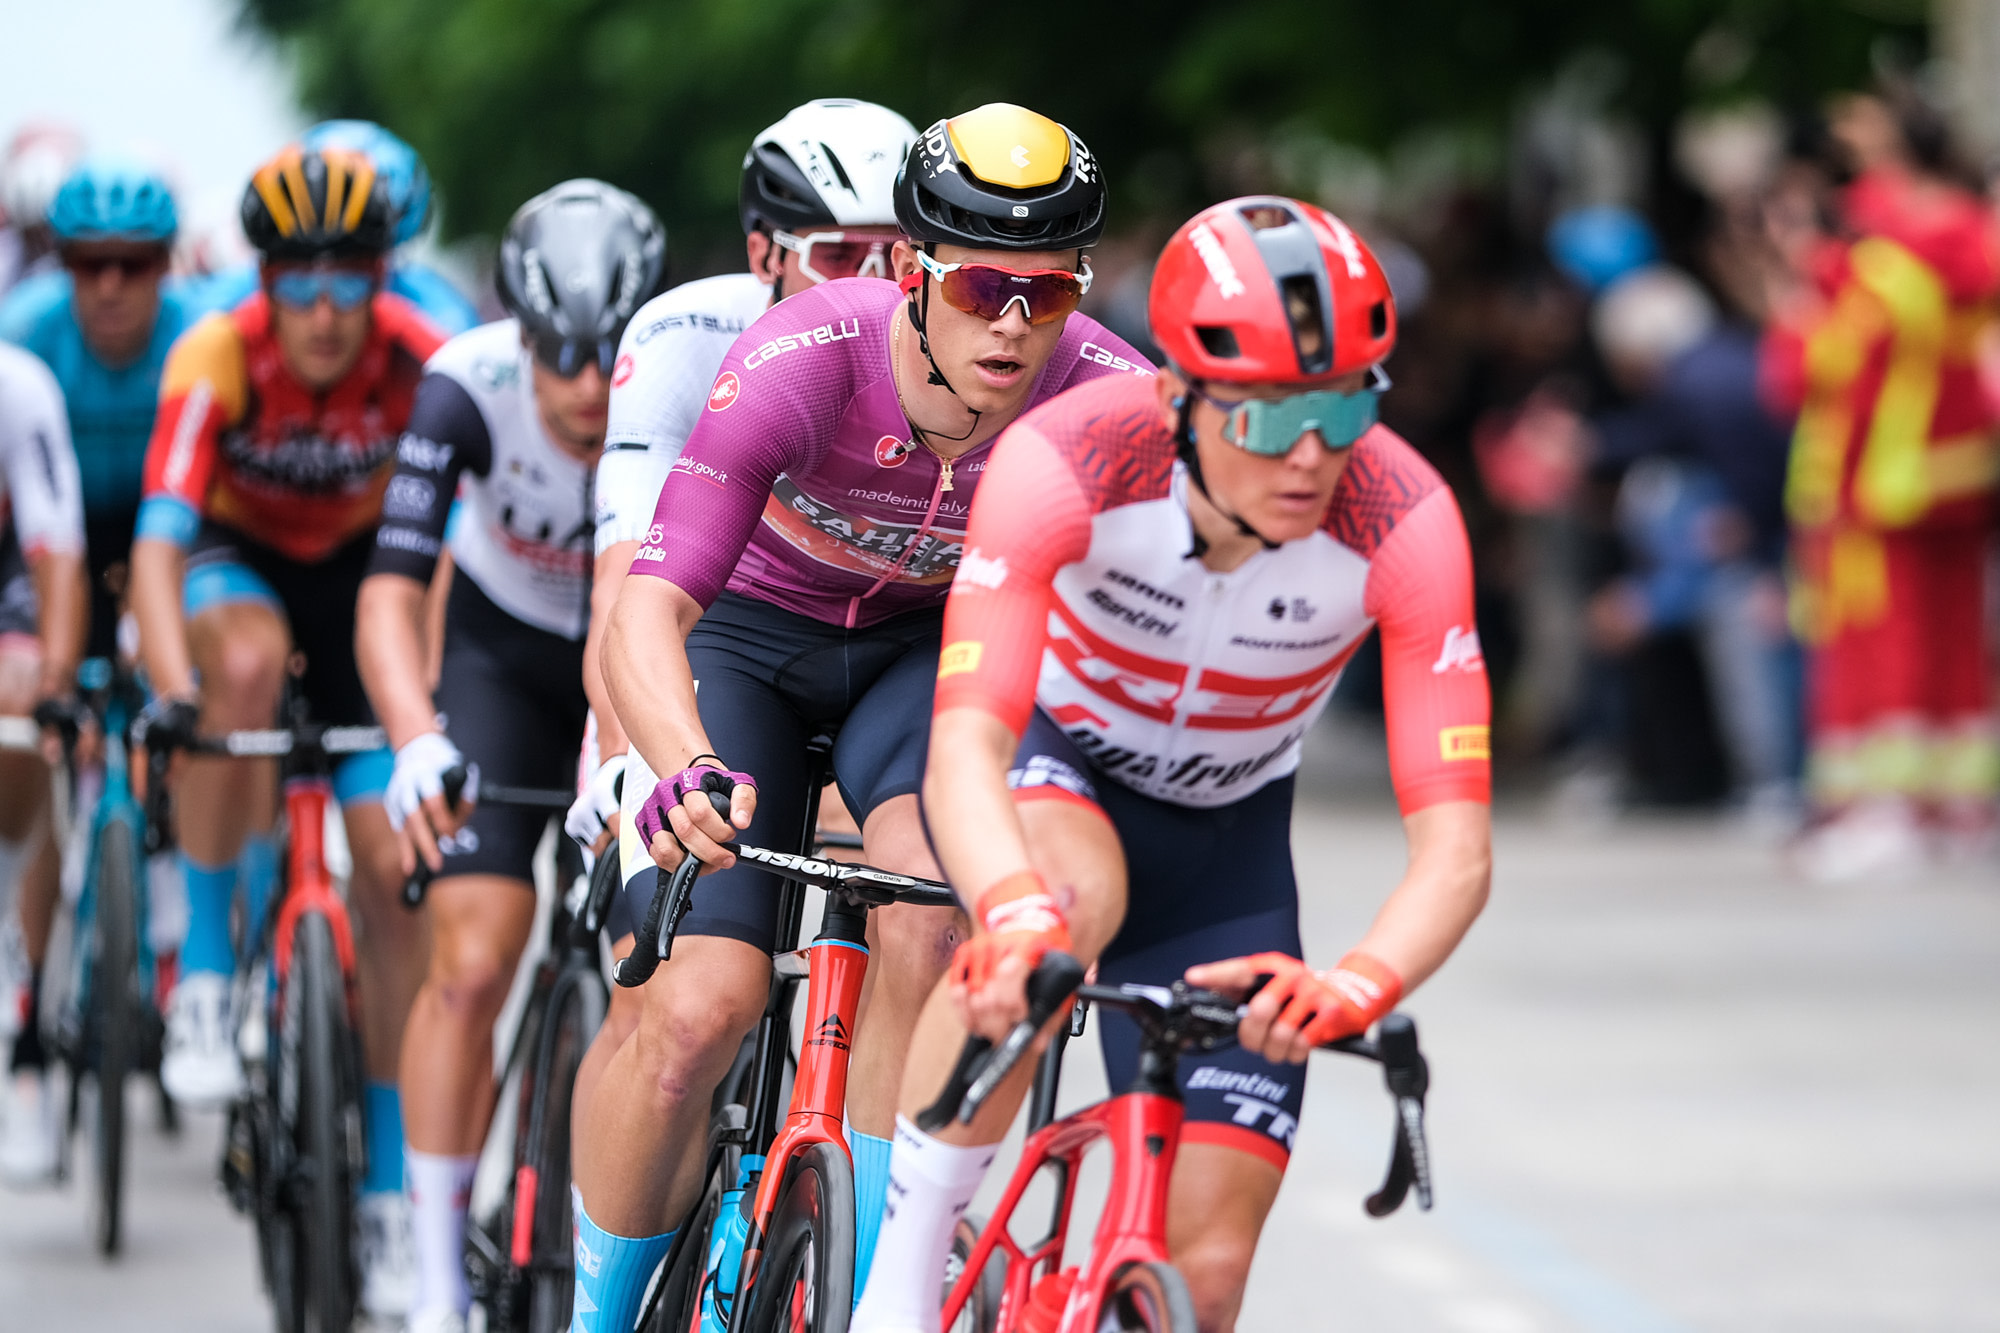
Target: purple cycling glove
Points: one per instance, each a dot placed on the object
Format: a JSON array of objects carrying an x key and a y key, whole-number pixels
[{"x": 670, "y": 792}]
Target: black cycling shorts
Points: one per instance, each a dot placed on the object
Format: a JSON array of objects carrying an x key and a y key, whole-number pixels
[
  {"x": 20, "y": 606},
  {"x": 767, "y": 681},
  {"x": 1202, "y": 885},
  {"x": 316, "y": 601},
  {"x": 511, "y": 696},
  {"x": 108, "y": 549}
]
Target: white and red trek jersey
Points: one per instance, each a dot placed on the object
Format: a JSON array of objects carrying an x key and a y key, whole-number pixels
[{"x": 1079, "y": 592}]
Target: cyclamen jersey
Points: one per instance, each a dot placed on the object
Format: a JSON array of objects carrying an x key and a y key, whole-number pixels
[
  {"x": 110, "y": 408},
  {"x": 41, "y": 501},
  {"x": 1078, "y": 593},
  {"x": 241, "y": 442},
  {"x": 523, "y": 532},
  {"x": 666, "y": 361},
  {"x": 801, "y": 485}
]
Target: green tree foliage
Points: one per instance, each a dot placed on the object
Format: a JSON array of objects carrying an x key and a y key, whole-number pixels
[{"x": 505, "y": 97}]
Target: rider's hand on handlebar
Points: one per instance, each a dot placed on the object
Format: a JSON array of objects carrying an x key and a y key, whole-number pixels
[
  {"x": 166, "y": 722},
  {"x": 1021, "y": 923},
  {"x": 592, "y": 816},
  {"x": 679, "y": 819},
  {"x": 1297, "y": 1008},
  {"x": 416, "y": 801}
]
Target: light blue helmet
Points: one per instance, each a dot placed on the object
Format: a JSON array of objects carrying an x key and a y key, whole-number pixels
[
  {"x": 397, "y": 166},
  {"x": 111, "y": 199}
]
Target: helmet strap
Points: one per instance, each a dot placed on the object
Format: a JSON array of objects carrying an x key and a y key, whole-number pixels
[
  {"x": 919, "y": 308},
  {"x": 1184, "y": 447}
]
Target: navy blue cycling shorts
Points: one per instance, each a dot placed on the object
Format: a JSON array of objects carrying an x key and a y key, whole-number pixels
[
  {"x": 768, "y": 680},
  {"x": 1202, "y": 885}
]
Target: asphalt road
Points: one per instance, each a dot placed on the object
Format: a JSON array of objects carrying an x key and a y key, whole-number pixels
[{"x": 1673, "y": 1090}]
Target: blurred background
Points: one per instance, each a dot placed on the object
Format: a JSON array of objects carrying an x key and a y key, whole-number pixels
[{"x": 1727, "y": 1038}]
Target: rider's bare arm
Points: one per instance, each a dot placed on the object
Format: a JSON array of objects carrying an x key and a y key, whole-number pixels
[
  {"x": 389, "y": 648},
  {"x": 607, "y": 577},
  {"x": 651, "y": 686},
  {"x": 973, "y": 821},
  {"x": 158, "y": 568},
  {"x": 62, "y": 616}
]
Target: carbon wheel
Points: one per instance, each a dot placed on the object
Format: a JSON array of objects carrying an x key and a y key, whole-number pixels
[
  {"x": 981, "y": 1312},
  {"x": 543, "y": 1154},
  {"x": 805, "y": 1278},
  {"x": 328, "y": 1129},
  {"x": 116, "y": 1022},
  {"x": 1147, "y": 1298}
]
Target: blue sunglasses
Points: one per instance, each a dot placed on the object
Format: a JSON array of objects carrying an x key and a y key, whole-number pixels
[{"x": 302, "y": 290}]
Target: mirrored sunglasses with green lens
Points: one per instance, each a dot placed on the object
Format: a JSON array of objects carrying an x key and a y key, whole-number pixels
[{"x": 1269, "y": 427}]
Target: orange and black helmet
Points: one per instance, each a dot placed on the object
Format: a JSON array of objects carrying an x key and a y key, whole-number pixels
[{"x": 318, "y": 203}]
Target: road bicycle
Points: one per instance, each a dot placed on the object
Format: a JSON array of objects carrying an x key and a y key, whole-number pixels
[
  {"x": 101, "y": 976},
  {"x": 786, "y": 1183},
  {"x": 294, "y": 1152},
  {"x": 519, "y": 1239},
  {"x": 1128, "y": 1282}
]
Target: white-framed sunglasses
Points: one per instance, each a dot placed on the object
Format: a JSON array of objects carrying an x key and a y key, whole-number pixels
[{"x": 826, "y": 255}]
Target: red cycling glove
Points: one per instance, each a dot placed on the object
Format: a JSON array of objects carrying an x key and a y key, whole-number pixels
[
  {"x": 1325, "y": 1006},
  {"x": 1022, "y": 921}
]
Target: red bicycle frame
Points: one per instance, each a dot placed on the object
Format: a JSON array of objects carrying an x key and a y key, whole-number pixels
[
  {"x": 1144, "y": 1129},
  {"x": 309, "y": 887}
]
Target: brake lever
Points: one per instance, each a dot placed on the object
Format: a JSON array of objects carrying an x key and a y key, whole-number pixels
[
  {"x": 1407, "y": 1075},
  {"x": 419, "y": 881},
  {"x": 673, "y": 895}
]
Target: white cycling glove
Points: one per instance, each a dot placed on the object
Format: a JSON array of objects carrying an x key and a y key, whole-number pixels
[
  {"x": 420, "y": 768},
  {"x": 596, "y": 803}
]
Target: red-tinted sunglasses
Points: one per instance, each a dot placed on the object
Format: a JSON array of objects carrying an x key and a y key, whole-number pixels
[{"x": 986, "y": 291}]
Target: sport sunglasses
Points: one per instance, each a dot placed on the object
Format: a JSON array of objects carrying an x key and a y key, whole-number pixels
[
  {"x": 301, "y": 289},
  {"x": 567, "y": 357},
  {"x": 986, "y": 291},
  {"x": 826, "y": 255},
  {"x": 90, "y": 268},
  {"x": 1269, "y": 427}
]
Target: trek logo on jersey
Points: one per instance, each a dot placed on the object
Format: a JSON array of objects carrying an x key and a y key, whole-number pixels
[
  {"x": 1473, "y": 742},
  {"x": 977, "y": 570},
  {"x": 1221, "y": 271},
  {"x": 728, "y": 388},
  {"x": 1461, "y": 652},
  {"x": 961, "y": 657},
  {"x": 792, "y": 342},
  {"x": 621, "y": 370},
  {"x": 890, "y": 451},
  {"x": 1110, "y": 360}
]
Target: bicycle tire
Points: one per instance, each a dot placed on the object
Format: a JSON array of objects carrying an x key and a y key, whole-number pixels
[
  {"x": 981, "y": 1311},
  {"x": 116, "y": 1019},
  {"x": 677, "y": 1307},
  {"x": 805, "y": 1279},
  {"x": 575, "y": 1013},
  {"x": 329, "y": 1128},
  {"x": 1150, "y": 1297}
]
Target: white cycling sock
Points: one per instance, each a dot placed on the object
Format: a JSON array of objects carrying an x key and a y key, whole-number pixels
[
  {"x": 439, "y": 1187},
  {"x": 930, "y": 1184}
]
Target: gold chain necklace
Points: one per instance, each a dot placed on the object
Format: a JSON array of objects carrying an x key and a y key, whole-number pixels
[{"x": 896, "y": 381}]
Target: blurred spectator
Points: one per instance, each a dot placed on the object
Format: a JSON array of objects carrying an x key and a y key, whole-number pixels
[
  {"x": 1889, "y": 494},
  {"x": 37, "y": 160}
]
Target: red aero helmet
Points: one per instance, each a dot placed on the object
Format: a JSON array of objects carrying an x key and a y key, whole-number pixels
[{"x": 1269, "y": 290}]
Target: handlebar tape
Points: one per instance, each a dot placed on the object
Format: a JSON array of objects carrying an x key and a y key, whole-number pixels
[
  {"x": 976, "y": 1076},
  {"x": 673, "y": 894}
]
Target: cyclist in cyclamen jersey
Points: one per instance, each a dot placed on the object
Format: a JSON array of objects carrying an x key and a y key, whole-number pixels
[
  {"x": 816, "y": 201},
  {"x": 275, "y": 441},
  {"x": 811, "y": 525},
  {"x": 104, "y": 326},
  {"x": 41, "y": 638},
  {"x": 1161, "y": 586}
]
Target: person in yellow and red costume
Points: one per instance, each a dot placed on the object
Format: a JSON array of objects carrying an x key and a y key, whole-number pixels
[{"x": 1890, "y": 496}]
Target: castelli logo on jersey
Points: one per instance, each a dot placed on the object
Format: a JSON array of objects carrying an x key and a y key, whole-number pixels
[
  {"x": 726, "y": 391},
  {"x": 622, "y": 371},
  {"x": 890, "y": 451}
]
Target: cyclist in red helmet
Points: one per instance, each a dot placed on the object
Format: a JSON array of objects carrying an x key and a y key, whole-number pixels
[{"x": 1161, "y": 585}]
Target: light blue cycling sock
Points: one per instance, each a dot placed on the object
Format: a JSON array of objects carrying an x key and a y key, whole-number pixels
[
  {"x": 257, "y": 871},
  {"x": 871, "y": 1194},
  {"x": 209, "y": 891},
  {"x": 612, "y": 1273},
  {"x": 382, "y": 1124}
]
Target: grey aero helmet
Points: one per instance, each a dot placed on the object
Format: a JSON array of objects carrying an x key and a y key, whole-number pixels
[{"x": 575, "y": 263}]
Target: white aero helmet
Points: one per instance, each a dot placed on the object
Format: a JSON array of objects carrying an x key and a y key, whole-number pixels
[{"x": 829, "y": 163}]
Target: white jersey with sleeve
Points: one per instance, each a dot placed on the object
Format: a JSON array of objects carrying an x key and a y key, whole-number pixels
[
  {"x": 41, "y": 497},
  {"x": 522, "y": 534},
  {"x": 667, "y": 362}
]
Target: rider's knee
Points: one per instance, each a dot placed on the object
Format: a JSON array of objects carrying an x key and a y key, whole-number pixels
[
  {"x": 688, "y": 1032},
  {"x": 915, "y": 942},
  {"x": 1216, "y": 1265},
  {"x": 245, "y": 678},
  {"x": 471, "y": 976}
]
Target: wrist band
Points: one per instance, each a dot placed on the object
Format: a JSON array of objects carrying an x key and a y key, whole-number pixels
[
  {"x": 696, "y": 761},
  {"x": 1019, "y": 902}
]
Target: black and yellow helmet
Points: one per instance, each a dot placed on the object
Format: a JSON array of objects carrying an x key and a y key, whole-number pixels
[
  {"x": 1001, "y": 177},
  {"x": 318, "y": 203}
]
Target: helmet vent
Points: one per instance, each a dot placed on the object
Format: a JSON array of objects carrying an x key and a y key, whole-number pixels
[
  {"x": 1268, "y": 217},
  {"x": 1308, "y": 319},
  {"x": 1378, "y": 319},
  {"x": 1218, "y": 340},
  {"x": 833, "y": 159}
]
